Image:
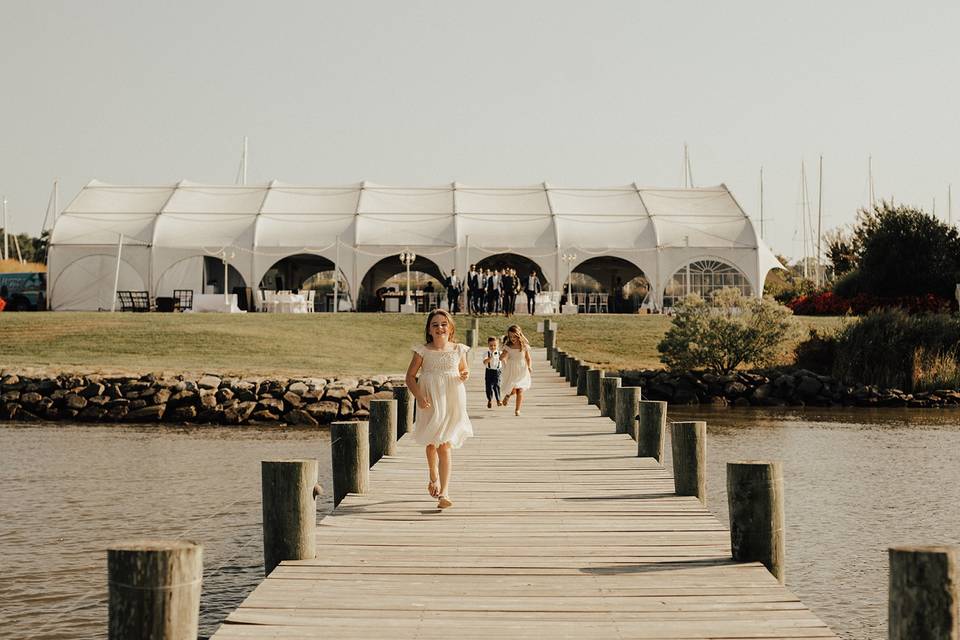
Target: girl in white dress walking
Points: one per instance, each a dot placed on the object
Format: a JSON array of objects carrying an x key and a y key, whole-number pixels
[
  {"x": 442, "y": 423},
  {"x": 517, "y": 365}
]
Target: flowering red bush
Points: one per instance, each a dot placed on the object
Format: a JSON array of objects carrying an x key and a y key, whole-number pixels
[{"x": 828, "y": 303}]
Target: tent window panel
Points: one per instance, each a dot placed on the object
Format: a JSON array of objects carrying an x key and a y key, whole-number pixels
[{"x": 703, "y": 278}]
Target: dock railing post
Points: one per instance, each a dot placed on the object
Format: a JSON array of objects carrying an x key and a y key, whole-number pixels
[
  {"x": 608, "y": 396},
  {"x": 404, "y": 398},
  {"x": 154, "y": 589},
  {"x": 562, "y": 363},
  {"x": 593, "y": 386},
  {"x": 383, "y": 429},
  {"x": 350, "y": 457},
  {"x": 651, "y": 429},
  {"x": 582, "y": 379},
  {"x": 923, "y": 597},
  {"x": 689, "y": 447},
  {"x": 549, "y": 342},
  {"x": 472, "y": 337},
  {"x": 572, "y": 367},
  {"x": 289, "y": 491},
  {"x": 625, "y": 410},
  {"x": 755, "y": 500}
]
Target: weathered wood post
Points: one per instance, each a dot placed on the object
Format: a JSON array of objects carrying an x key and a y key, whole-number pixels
[
  {"x": 350, "y": 456},
  {"x": 471, "y": 338},
  {"x": 625, "y": 410},
  {"x": 582, "y": 379},
  {"x": 593, "y": 386},
  {"x": 549, "y": 325},
  {"x": 475, "y": 325},
  {"x": 689, "y": 446},
  {"x": 923, "y": 598},
  {"x": 154, "y": 589},
  {"x": 651, "y": 429},
  {"x": 562, "y": 363},
  {"x": 572, "y": 364},
  {"x": 755, "y": 499},
  {"x": 383, "y": 429},
  {"x": 555, "y": 357},
  {"x": 289, "y": 491},
  {"x": 549, "y": 341},
  {"x": 404, "y": 398},
  {"x": 608, "y": 396}
]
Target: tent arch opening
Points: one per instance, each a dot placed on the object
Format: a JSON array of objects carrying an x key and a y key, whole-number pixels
[{"x": 702, "y": 276}]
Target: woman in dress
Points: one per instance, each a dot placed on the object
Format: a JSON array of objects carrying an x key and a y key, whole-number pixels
[
  {"x": 517, "y": 365},
  {"x": 442, "y": 423}
]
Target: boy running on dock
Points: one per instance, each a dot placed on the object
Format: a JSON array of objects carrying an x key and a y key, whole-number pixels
[{"x": 492, "y": 368}]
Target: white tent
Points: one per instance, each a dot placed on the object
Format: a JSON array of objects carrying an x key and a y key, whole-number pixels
[{"x": 169, "y": 230}]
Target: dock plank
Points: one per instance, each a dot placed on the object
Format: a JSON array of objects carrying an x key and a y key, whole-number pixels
[{"x": 558, "y": 530}]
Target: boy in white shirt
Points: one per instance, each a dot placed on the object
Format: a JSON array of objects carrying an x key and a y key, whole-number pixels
[{"x": 491, "y": 376}]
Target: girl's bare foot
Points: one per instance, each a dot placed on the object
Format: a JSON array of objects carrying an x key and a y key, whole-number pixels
[
  {"x": 444, "y": 502},
  {"x": 434, "y": 488}
]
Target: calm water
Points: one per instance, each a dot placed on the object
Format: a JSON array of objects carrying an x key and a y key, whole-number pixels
[
  {"x": 68, "y": 492},
  {"x": 856, "y": 483}
]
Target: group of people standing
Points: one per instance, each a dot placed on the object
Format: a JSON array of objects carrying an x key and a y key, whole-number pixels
[{"x": 493, "y": 291}]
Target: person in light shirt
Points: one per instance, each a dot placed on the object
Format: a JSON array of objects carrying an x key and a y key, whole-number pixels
[{"x": 492, "y": 369}]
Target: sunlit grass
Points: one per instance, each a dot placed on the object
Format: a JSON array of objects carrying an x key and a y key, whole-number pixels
[{"x": 281, "y": 344}]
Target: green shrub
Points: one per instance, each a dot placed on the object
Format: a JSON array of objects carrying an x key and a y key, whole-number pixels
[
  {"x": 892, "y": 349},
  {"x": 734, "y": 330},
  {"x": 818, "y": 352}
]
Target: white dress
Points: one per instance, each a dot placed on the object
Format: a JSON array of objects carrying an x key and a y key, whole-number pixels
[
  {"x": 515, "y": 374},
  {"x": 446, "y": 420}
]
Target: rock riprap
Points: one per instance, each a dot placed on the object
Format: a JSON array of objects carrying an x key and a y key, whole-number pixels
[{"x": 209, "y": 399}]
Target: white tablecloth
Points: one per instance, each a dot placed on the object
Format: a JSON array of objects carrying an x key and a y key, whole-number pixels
[
  {"x": 215, "y": 303},
  {"x": 290, "y": 303}
]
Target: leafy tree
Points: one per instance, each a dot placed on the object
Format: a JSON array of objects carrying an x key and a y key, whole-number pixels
[
  {"x": 902, "y": 251},
  {"x": 840, "y": 252},
  {"x": 734, "y": 330}
]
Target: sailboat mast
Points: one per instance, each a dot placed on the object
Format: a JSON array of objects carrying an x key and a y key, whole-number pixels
[
  {"x": 819, "y": 216},
  {"x": 873, "y": 201},
  {"x": 762, "y": 236},
  {"x": 804, "y": 203}
]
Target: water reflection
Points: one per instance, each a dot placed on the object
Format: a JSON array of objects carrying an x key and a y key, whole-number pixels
[
  {"x": 856, "y": 483},
  {"x": 69, "y": 491}
]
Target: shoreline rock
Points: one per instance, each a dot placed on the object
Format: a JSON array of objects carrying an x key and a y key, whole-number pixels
[
  {"x": 791, "y": 387},
  {"x": 206, "y": 399}
]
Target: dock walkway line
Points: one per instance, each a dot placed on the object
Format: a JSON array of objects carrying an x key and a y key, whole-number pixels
[{"x": 558, "y": 531}]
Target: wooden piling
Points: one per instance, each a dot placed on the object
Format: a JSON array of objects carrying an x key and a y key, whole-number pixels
[
  {"x": 549, "y": 341},
  {"x": 582, "y": 379},
  {"x": 289, "y": 491},
  {"x": 572, "y": 365},
  {"x": 549, "y": 325},
  {"x": 755, "y": 500},
  {"x": 472, "y": 338},
  {"x": 923, "y": 596},
  {"x": 562, "y": 363},
  {"x": 404, "y": 398},
  {"x": 350, "y": 456},
  {"x": 608, "y": 396},
  {"x": 593, "y": 386},
  {"x": 383, "y": 429},
  {"x": 625, "y": 410},
  {"x": 154, "y": 589},
  {"x": 689, "y": 446},
  {"x": 651, "y": 429}
]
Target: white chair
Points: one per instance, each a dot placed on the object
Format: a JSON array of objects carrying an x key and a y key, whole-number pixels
[
  {"x": 580, "y": 300},
  {"x": 259, "y": 301},
  {"x": 271, "y": 301},
  {"x": 604, "y": 298},
  {"x": 592, "y": 303},
  {"x": 310, "y": 295}
]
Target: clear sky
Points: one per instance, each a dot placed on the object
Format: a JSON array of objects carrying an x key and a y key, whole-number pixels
[{"x": 496, "y": 93}]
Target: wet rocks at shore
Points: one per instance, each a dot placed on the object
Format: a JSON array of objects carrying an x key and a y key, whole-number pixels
[
  {"x": 209, "y": 399},
  {"x": 789, "y": 387}
]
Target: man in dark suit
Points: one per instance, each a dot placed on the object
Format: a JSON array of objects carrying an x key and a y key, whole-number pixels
[
  {"x": 454, "y": 287},
  {"x": 532, "y": 288},
  {"x": 509, "y": 285},
  {"x": 474, "y": 290},
  {"x": 493, "y": 291}
]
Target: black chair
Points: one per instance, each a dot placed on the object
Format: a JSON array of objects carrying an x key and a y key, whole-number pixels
[
  {"x": 183, "y": 298},
  {"x": 126, "y": 300},
  {"x": 140, "y": 300},
  {"x": 166, "y": 304}
]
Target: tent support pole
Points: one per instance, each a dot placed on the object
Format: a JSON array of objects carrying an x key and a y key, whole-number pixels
[
  {"x": 336, "y": 279},
  {"x": 116, "y": 276}
]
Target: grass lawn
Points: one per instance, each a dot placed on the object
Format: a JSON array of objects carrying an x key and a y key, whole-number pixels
[{"x": 290, "y": 344}]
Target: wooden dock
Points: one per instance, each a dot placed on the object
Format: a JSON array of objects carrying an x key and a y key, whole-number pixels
[{"x": 558, "y": 531}]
